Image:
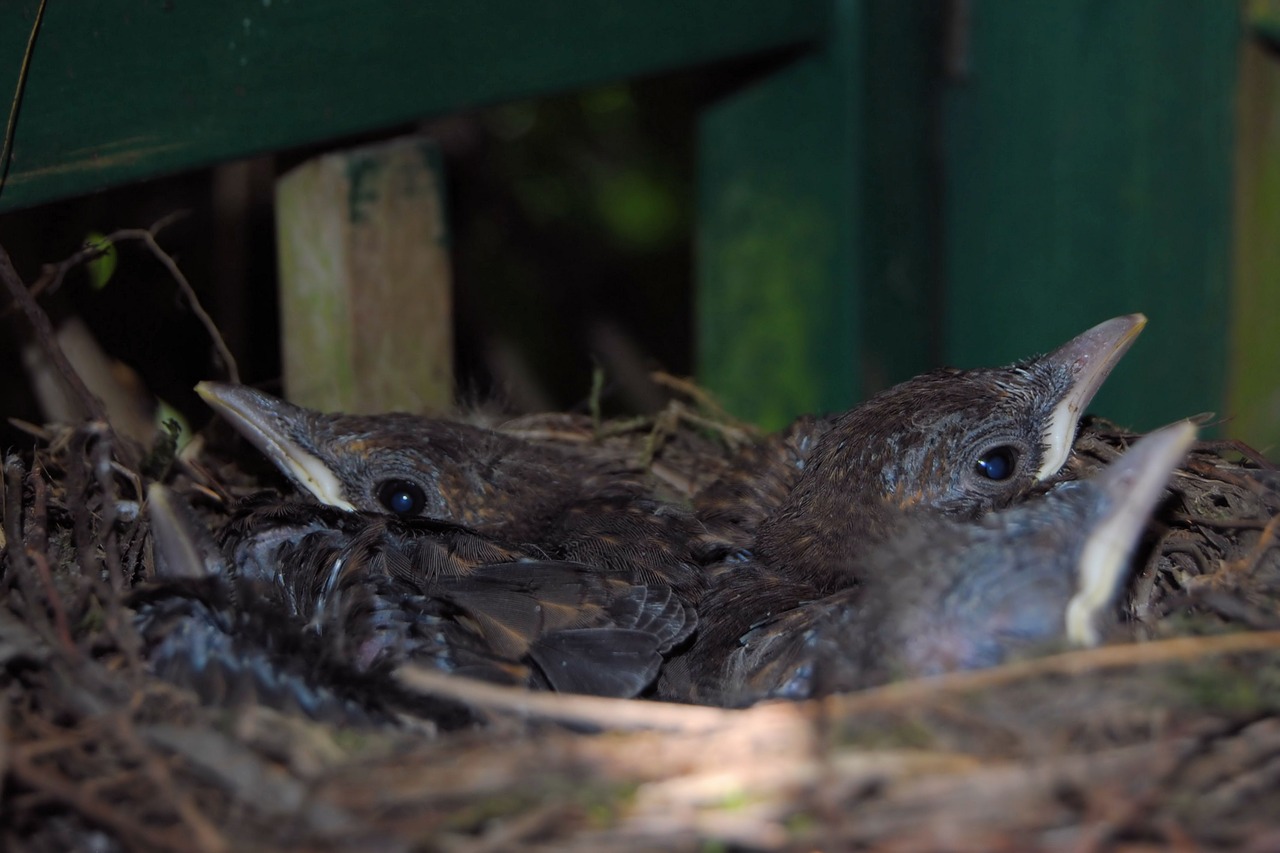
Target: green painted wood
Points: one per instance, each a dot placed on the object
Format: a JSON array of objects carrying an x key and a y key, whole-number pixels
[
  {"x": 1088, "y": 174},
  {"x": 902, "y": 288},
  {"x": 1254, "y": 402},
  {"x": 121, "y": 90},
  {"x": 779, "y": 237}
]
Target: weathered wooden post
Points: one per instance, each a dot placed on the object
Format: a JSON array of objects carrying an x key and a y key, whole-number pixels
[{"x": 365, "y": 300}]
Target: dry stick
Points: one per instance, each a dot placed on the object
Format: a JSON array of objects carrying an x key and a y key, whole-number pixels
[
  {"x": 14, "y": 536},
  {"x": 1235, "y": 444},
  {"x": 631, "y": 715},
  {"x": 697, "y": 393},
  {"x": 94, "y": 809},
  {"x": 149, "y": 238},
  {"x": 43, "y": 330},
  {"x": 205, "y": 835},
  {"x": 6, "y": 151},
  {"x": 52, "y": 275},
  {"x": 25, "y": 553},
  {"x": 1266, "y": 541},
  {"x": 1224, "y": 523},
  {"x": 36, "y": 548},
  {"x": 623, "y": 714},
  {"x": 1082, "y": 662},
  {"x": 99, "y": 452}
]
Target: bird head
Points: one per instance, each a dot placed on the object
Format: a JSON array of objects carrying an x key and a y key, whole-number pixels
[
  {"x": 402, "y": 464},
  {"x": 957, "y": 442},
  {"x": 969, "y": 596}
]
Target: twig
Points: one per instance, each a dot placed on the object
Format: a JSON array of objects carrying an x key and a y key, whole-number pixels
[
  {"x": 1238, "y": 446},
  {"x": 698, "y": 394},
  {"x": 37, "y": 544},
  {"x": 6, "y": 151},
  {"x": 14, "y": 552},
  {"x": 614, "y": 714},
  {"x": 99, "y": 453},
  {"x": 106, "y": 814},
  {"x": 1224, "y": 523},
  {"x": 43, "y": 330},
  {"x": 632, "y": 715},
  {"x": 148, "y": 237},
  {"x": 1266, "y": 541},
  {"x": 205, "y": 836},
  {"x": 52, "y": 275},
  {"x": 1076, "y": 663}
]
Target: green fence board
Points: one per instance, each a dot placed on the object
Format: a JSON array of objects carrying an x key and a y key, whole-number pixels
[
  {"x": 779, "y": 234},
  {"x": 120, "y": 91},
  {"x": 1254, "y": 403},
  {"x": 1088, "y": 173},
  {"x": 901, "y": 295}
]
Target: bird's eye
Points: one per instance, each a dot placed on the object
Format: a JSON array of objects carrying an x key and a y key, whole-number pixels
[
  {"x": 998, "y": 463},
  {"x": 402, "y": 498}
]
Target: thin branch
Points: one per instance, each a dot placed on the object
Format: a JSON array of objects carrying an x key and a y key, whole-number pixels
[
  {"x": 1083, "y": 662},
  {"x": 205, "y": 836},
  {"x": 44, "y": 333},
  {"x": 37, "y": 545},
  {"x": 52, "y": 276},
  {"x": 106, "y": 814},
  {"x": 631, "y": 715},
  {"x": 614, "y": 714},
  {"x": 1222, "y": 523},
  {"x": 224, "y": 352},
  {"x": 6, "y": 150}
]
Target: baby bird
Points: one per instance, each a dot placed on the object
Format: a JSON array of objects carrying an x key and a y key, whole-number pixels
[
  {"x": 942, "y": 595},
  {"x": 954, "y": 443},
  {"x": 959, "y": 442},
  {"x": 575, "y": 505},
  {"x": 309, "y": 607}
]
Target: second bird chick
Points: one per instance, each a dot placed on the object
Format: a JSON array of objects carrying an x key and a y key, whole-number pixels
[{"x": 942, "y": 595}]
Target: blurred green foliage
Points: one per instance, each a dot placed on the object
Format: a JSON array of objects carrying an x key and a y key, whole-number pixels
[{"x": 572, "y": 223}]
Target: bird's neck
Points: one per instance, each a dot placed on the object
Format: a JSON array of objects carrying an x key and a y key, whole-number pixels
[
  {"x": 522, "y": 490},
  {"x": 820, "y": 538}
]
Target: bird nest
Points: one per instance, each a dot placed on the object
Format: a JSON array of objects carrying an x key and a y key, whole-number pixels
[{"x": 1169, "y": 736}]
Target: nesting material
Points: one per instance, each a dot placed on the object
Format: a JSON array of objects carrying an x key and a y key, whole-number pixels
[{"x": 1167, "y": 736}]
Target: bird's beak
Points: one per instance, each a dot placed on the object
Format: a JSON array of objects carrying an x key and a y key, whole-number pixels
[
  {"x": 1133, "y": 483},
  {"x": 1090, "y": 358},
  {"x": 182, "y": 545},
  {"x": 277, "y": 429}
]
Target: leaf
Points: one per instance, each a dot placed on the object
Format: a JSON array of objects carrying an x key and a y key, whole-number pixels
[{"x": 102, "y": 267}]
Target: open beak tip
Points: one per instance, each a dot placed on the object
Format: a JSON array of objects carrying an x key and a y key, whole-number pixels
[{"x": 1164, "y": 448}]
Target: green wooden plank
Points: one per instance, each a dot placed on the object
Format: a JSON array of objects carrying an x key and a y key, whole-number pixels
[
  {"x": 778, "y": 241},
  {"x": 1255, "y": 327},
  {"x": 901, "y": 301},
  {"x": 120, "y": 91},
  {"x": 1088, "y": 174}
]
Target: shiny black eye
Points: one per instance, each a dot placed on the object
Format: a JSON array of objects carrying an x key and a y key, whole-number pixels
[
  {"x": 400, "y": 497},
  {"x": 998, "y": 463}
]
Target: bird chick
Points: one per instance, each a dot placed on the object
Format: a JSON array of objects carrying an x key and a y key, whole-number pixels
[
  {"x": 311, "y": 608},
  {"x": 943, "y": 595},
  {"x": 573, "y": 504},
  {"x": 955, "y": 442}
]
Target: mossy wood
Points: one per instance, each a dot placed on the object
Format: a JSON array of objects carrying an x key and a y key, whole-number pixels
[
  {"x": 1254, "y": 391},
  {"x": 970, "y": 184},
  {"x": 365, "y": 284}
]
